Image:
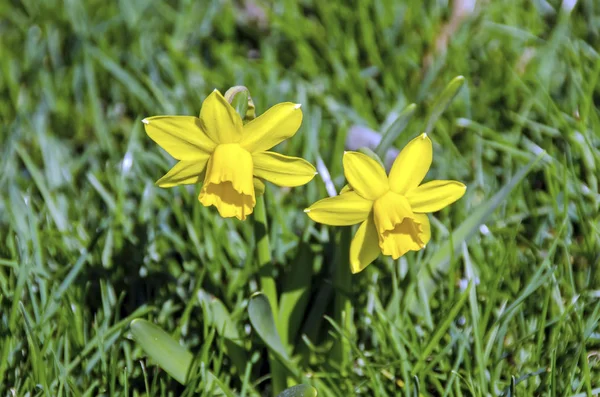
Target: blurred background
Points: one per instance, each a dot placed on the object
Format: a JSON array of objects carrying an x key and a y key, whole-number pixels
[{"x": 87, "y": 242}]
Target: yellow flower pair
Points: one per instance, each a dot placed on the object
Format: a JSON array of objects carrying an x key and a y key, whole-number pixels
[{"x": 232, "y": 160}]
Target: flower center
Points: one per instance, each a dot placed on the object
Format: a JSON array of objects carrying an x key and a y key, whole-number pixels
[
  {"x": 228, "y": 182},
  {"x": 397, "y": 227},
  {"x": 390, "y": 210}
]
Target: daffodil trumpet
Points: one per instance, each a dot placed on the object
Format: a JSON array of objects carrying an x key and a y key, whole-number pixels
[
  {"x": 229, "y": 158},
  {"x": 392, "y": 210}
]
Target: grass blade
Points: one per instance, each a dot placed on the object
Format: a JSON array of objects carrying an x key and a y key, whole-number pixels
[
  {"x": 440, "y": 261},
  {"x": 443, "y": 101},
  {"x": 441, "y": 330},
  {"x": 394, "y": 131},
  {"x": 299, "y": 391}
]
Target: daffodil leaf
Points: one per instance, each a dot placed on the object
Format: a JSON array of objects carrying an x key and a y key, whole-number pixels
[
  {"x": 162, "y": 349},
  {"x": 295, "y": 294},
  {"x": 239, "y": 97},
  {"x": 173, "y": 358},
  {"x": 299, "y": 391},
  {"x": 440, "y": 261},
  {"x": 261, "y": 317},
  {"x": 217, "y": 314},
  {"x": 443, "y": 101},
  {"x": 221, "y": 319},
  {"x": 394, "y": 130}
]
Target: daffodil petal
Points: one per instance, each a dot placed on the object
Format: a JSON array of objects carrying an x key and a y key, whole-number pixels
[
  {"x": 345, "y": 209},
  {"x": 181, "y": 136},
  {"x": 185, "y": 172},
  {"x": 411, "y": 165},
  {"x": 347, "y": 188},
  {"x": 219, "y": 119},
  {"x": 425, "y": 232},
  {"x": 272, "y": 127},
  {"x": 364, "y": 248},
  {"x": 282, "y": 170},
  {"x": 366, "y": 176},
  {"x": 435, "y": 195},
  {"x": 229, "y": 202}
]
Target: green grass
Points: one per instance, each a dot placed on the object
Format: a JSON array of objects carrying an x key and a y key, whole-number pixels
[{"x": 88, "y": 243}]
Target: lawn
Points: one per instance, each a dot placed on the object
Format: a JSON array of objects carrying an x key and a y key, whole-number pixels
[{"x": 111, "y": 285}]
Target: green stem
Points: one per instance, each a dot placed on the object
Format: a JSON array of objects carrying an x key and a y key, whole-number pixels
[
  {"x": 268, "y": 286},
  {"x": 263, "y": 251},
  {"x": 342, "y": 281}
]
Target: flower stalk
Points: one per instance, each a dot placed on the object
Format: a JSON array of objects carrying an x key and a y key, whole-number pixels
[
  {"x": 263, "y": 254},
  {"x": 343, "y": 310},
  {"x": 268, "y": 287}
]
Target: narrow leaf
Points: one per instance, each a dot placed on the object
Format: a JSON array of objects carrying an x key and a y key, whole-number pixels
[
  {"x": 295, "y": 295},
  {"x": 299, "y": 391},
  {"x": 217, "y": 314},
  {"x": 443, "y": 101},
  {"x": 394, "y": 130},
  {"x": 262, "y": 320},
  {"x": 162, "y": 349},
  {"x": 441, "y": 330},
  {"x": 37, "y": 358}
]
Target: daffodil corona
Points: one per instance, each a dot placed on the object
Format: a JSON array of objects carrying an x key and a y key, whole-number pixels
[
  {"x": 392, "y": 209},
  {"x": 231, "y": 158}
]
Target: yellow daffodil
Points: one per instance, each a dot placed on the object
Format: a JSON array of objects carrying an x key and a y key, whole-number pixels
[
  {"x": 392, "y": 208},
  {"x": 231, "y": 157}
]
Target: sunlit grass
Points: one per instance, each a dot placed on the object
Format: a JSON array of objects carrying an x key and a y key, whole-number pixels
[{"x": 89, "y": 243}]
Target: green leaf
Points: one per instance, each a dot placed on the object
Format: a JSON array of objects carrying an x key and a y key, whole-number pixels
[
  {"x": 541, "y": 277},
  {"x": 299, "y": 391},
  {"x": 394, "y": 130},
  {"x": 440, "y": 260},
  {"x": 295, "y": 295},
  {"x": 262, "y": 320},
  {"x": 443, "y": 101},
  {"x": 217, "y": 314},
  {"x": 40, "y": 181},
  {"x": 475, "y": 319},
  {"x": 37, "y": 358},
  {"x": 441, "y": 331},
  {"x": 175, "y": 359}
]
